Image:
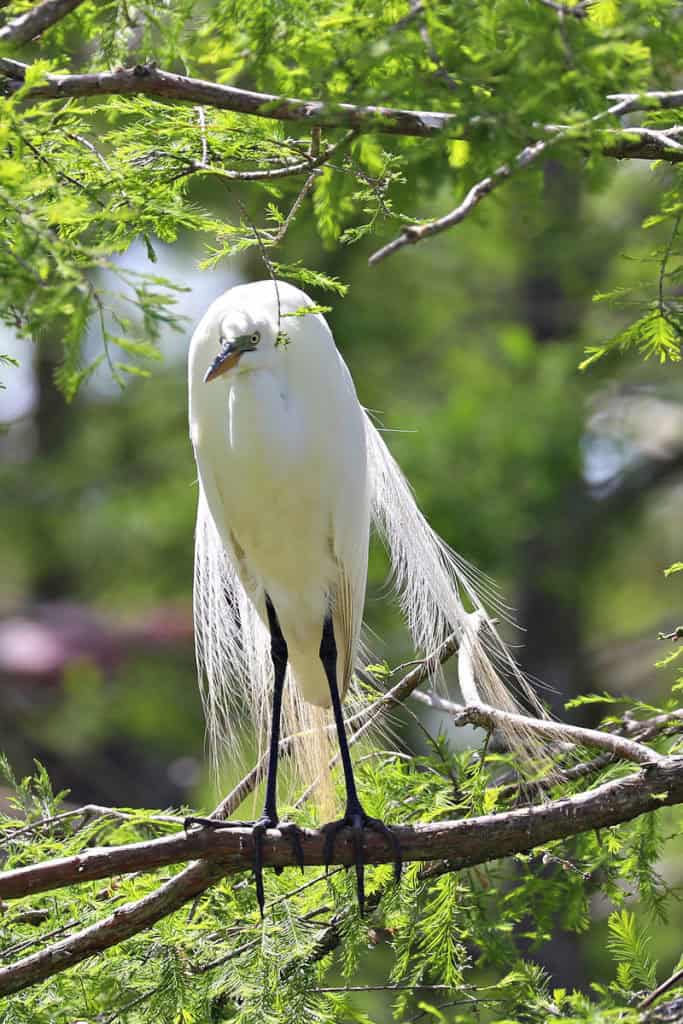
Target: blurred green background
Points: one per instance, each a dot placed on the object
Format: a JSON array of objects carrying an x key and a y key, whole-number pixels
[{"x": 564, "y": 486}]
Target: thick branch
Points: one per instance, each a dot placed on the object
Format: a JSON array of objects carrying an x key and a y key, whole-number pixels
[
  {"x": 125, "y": 921},
  {"x": 30, "y": 24},
  {"x": 463, "y": 843},
  {"x": 151, "y": 81},
  {"x": 148, "y": 79}
]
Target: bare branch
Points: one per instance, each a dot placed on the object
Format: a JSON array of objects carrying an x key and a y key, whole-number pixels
[
  {"x": 646, "y": 144},
  {"x": 125, "y": 921},
  {"x": 149, "y": 80},
  {"x": 632, "y": 101},
  {"x": 30, "y": 24},
  {"x": 413, "y": 233},
  {"x": 488, "y": 718},
  {"x": 462, "y": 843},
  {"x": 670, "y": 982}
]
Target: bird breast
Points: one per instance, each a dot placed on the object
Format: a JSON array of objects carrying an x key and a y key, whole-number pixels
[{"x": 275, "y": 472}]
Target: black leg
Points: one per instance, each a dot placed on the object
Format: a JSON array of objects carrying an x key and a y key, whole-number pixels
[
  {"x": 355, "y": 817},
  {"x": 269, "y": 816},
  {"x": 278, "y": 654}
]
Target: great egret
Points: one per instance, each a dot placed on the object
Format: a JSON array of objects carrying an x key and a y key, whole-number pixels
[{"x": 291, "y": 475}]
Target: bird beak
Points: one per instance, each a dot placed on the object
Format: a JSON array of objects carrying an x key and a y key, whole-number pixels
[{"x": 227, "y": 358}]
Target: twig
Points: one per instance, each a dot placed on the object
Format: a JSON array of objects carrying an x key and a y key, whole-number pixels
[
  {"x": 30, "y": 24},
  {"x": 413, "y": 233},
  {"x": 488, "y": 717},
  {"x": 290, "y": 169},
  {"x": 661, "y": 989},
  {"x": 277, "y": 237},
  {"x": 202, "y": 128},
  {"x": 386, "y": 988},
  {"x": 88, "y": 812},
  {"x": 81, "y": 139}
]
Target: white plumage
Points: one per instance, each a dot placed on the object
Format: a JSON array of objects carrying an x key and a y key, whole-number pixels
[{"x": 291, "y": 474}]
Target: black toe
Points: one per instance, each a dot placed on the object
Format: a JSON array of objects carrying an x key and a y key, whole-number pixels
[
  {"x": 357, "y": 821},
  {"x": 259, "y": 829},
  {"x": 293, "y": 833}
]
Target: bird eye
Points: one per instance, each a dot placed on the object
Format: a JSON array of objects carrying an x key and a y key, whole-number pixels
[{"x": 255, "y": 338}]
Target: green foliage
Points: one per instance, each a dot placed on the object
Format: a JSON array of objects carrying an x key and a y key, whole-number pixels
[
  {"x": 444, "y": 944},
  {"x": 81, "y": 179},
  {"x": 454, "y": 346}
]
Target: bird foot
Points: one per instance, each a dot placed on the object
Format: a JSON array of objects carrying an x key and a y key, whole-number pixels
[
  {"x": 357, "y": 821},
  {"x": 258, "y": 830}
]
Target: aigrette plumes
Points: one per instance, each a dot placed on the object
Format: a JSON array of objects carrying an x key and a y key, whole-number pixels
[{"x": 432, "y": 582}]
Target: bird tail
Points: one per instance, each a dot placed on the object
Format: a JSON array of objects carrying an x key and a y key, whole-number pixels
[
  {"x": 232, "y": 646},
  {"x": 433, "y": 583}
]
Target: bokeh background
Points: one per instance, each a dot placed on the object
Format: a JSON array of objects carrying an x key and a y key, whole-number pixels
[{"x": 564, "y": 486}]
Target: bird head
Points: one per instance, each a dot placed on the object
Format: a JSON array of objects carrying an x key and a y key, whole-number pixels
[{"x": 241, "y": 332}]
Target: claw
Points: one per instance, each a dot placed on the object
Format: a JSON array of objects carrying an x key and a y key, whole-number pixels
[
  {"x": 258, "y": 832},
  {"x": 214, "y": 823},
  {"x": 357, "y": 820},
  {"x": 293, "y": 833}
]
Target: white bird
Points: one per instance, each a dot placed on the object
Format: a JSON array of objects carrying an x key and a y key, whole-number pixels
[{"x": 291, "y": 475}]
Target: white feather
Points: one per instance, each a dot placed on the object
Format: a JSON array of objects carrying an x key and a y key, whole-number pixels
[
  {"x": 290, "y": 472},
  {"x": 433, "y": 582}
]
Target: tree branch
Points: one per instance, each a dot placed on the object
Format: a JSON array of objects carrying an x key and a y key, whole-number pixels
[
  {"x": 462, "y": 843},
  {"x": 633, "y": 101},
  {"x": 622, "y": 104},
  {"x": 413, "y": 233},
  {"x": 149, "y": 80},
  {"x": 30, "y": 24},
  {"x": 646, "y": 144},
  {"x": 487, "y": 717}
]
